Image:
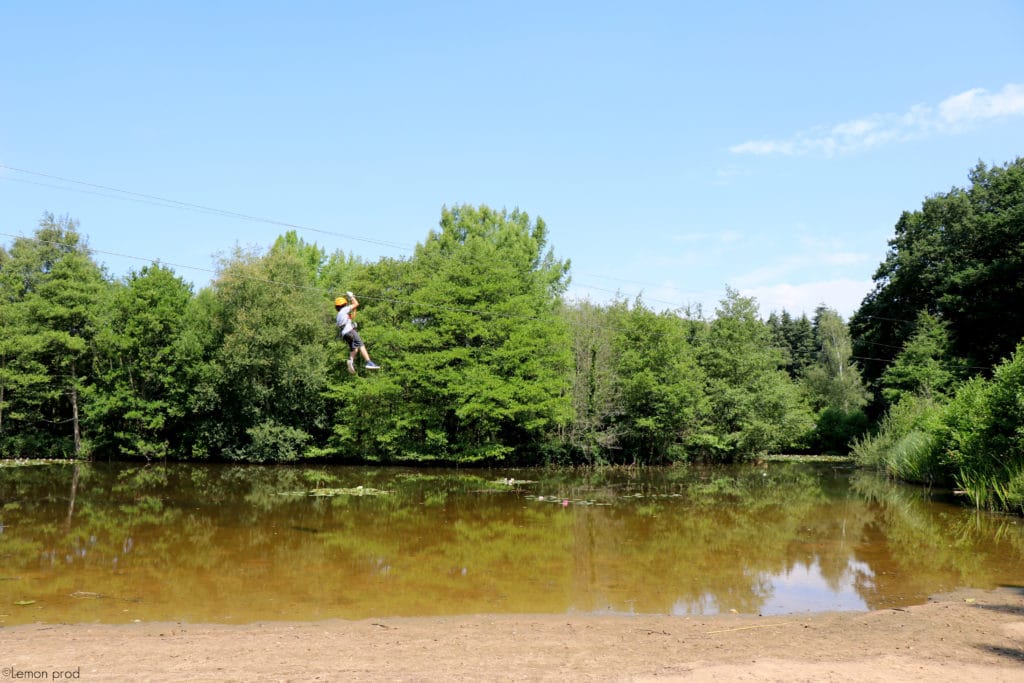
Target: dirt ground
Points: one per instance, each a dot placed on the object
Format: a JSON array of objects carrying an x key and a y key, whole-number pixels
[{"x": 969, "y": 635}]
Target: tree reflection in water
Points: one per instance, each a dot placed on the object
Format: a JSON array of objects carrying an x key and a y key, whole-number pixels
[{"x": 236, "y": 544}]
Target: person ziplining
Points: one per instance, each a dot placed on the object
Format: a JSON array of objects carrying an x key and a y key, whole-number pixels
[{"x": 347, "y": 330}]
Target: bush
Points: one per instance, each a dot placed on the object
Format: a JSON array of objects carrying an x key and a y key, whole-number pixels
[
  {"x": 272, "y": 442},
  {"x": 836, "y": 430},
  {"x": 908, "y": 444},
  {"x": 985, "y": 423}
]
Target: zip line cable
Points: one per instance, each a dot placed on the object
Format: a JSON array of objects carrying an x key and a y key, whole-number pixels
[
  {"x": 327, "y": 292},
  {"x": 319, "y": 290},
  {"x": 174, "y": 203},
  {"x": 155, "y": 200},
  {"x": 248, "y": 278}
]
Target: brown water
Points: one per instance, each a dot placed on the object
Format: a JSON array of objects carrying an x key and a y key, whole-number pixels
[{"x": 242, "y": 544}]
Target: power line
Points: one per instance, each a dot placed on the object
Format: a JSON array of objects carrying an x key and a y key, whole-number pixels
[
  {"x": 155, "y": 200},
  {"x": 674, "y": 304},
  {"x": 249, "y": 278},
  {"x": 948, "y": 365},
  {"x": 174, "y": 203},
  {"x": 105, "y": 191}
]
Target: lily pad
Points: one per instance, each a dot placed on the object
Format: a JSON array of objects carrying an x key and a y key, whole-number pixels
[
  {"x": 87, "y": 594},
  {"x": 357, "y": 491},
  {"x": 23, "y": 603}
]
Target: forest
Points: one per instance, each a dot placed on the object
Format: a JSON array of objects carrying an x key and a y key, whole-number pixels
[{"x": 487, "y": 362}]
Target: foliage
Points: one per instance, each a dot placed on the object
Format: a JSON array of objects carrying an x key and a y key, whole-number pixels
[
  {"x": 959, "y": 258},
  {"x": 486, "y": 363},
  {"x": 49, "y": 315},
  {"x": 480, "y": 362},
  {"x": 986, "y": 436},
  {"x": 943, "y": 311},
  {"x": 264, "y": 358},
  {"x": 661, "y": 402},
  {"x": 925, "y": 366},
  {"x": 594, "y": 432},
  {"x": 908, "y": 443},
  {"x": 833, "y": 385},
  {"x": 141, "y": 384},
  {"x": 754, "y": 407},
  {"x": 795, "y": 337}
]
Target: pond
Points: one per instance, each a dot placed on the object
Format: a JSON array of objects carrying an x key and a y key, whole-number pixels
[{"x": 234, "y": 544}]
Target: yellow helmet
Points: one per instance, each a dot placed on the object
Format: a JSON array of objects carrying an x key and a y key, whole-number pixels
[{"x": 340, "y": 301}]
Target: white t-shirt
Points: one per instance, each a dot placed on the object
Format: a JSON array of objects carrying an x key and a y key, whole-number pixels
[{"x": 344, "y": 319}]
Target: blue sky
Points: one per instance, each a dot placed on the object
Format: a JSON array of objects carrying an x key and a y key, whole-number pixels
[{"x": 673, "y": 148}]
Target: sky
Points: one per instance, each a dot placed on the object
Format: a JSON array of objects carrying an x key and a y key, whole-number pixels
[{"x": 674, "y": 149}]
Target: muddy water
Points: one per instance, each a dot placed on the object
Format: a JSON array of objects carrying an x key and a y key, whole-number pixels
[{"x": 241, "y": 544}]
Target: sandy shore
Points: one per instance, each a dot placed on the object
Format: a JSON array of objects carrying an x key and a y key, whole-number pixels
[{"x": 969, "y": 635}]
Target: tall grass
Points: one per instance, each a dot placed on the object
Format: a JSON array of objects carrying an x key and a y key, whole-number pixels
[
  {"x": 993, "y": 490},
  {"x": 986, "y": 437},
  {"x": 908, "y": 443}
]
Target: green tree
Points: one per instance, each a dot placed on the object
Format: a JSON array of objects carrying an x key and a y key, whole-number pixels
[
  {"x": 52, "y": 289},
  {"x": 925, "y": 366},
  {"x": 833, "y": 384},
  {"x": 833, "y": 380},
  {"x": 259, "y": 390},
  {"x": 960, "y": 258},
  {"x": 986, "y": 436},
  {"x": 662, "y": 403},
  {"x": 795, "y": 336},
  {"x": 593, "y": 432},
  {"x": 754, "y": 405},
  {"x": 481, "y": 357},
  {"x": 142, "y": 389}
]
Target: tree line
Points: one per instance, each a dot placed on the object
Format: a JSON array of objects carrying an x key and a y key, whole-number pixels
[
  {"x": 487, "y": 362},
  {"x": 941, "y": 333}
]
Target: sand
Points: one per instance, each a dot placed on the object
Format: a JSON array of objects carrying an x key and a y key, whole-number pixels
[{"x": 969, "y": 635}]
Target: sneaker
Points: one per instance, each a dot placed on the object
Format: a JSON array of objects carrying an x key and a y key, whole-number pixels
[
  {"x": 351, "y": 366},
  {"x": 370, "y": 365}
]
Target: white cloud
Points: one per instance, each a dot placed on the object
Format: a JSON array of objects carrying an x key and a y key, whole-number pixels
[
  {"x": 843, "y": 295},
  {"x": 817, "y": 258},
  {"x": 978, "y": 104},
  {"x": 955, "y": 113},
  {"x": 690, "y": 237}
]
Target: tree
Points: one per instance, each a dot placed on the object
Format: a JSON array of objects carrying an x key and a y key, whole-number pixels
[
  {"x": 484, "y": 362},
  {"x": 660, "y": 386},
  {"x": 142, "y": 389},
  {"x": 985, "y": 440},
  {"x": 259, "y": 391},
  {"x": 960, "y": 258},
  {"x": 833, "y": 379},
  {"x": 925, "y": 366},
  {"x": 795, "y": 336},
  {"x": 754, "y": 406},
  {"x": 593, "y": 432},
  {"x": 833, "y": 384},
  {"x": 50, "y": 307}
]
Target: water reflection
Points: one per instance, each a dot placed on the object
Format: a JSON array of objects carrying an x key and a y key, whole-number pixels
[{"x": 239, "y": 544}]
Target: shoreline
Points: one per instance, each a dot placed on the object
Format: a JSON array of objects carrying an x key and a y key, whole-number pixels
[{"x": 970, "y": 633}]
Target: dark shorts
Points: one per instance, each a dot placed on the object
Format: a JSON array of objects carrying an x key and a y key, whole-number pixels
[{"x": 353, "y": 339}]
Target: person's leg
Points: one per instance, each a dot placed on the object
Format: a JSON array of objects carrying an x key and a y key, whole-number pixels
[
  {"x": 351, "y": 354},
  {"x": 367, "y": 363}
]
